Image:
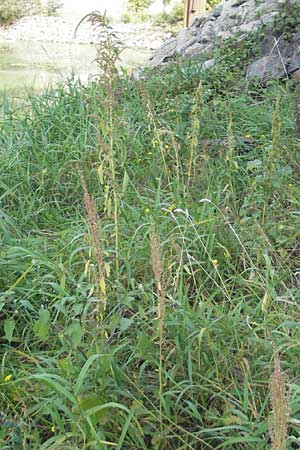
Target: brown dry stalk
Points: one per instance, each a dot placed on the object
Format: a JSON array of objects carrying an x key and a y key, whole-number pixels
[
  {"x": 157, "y": 268},
  {"x": 92, "y": 221},
  {"x": 279, "y": 400},
  {"x": 297, "y": 116}
]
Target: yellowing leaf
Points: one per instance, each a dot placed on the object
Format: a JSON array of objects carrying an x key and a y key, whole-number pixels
[
  {"x": 107, "y": 269},
  {"x": 265, "y": 303},
  {"x": 86, "y": 267},
  {"x": 102, "y": 286},
  {"x": 100, "y": 174}
]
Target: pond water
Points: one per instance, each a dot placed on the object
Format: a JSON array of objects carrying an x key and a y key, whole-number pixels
[{"x": 35, "y": 65}]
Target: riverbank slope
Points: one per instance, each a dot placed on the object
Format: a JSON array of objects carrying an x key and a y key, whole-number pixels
[{"x": 149, "y": 262}]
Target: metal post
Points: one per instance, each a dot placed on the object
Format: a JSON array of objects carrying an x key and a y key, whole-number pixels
[{"x": 192, "y": 9}]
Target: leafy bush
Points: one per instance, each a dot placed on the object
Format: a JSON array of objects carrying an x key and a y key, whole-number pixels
[
  {"x": 287, "y": 23},
  {"x": 172, "y": 18},
  {"x": 51, "y": 7},
  {"x": 11, "y": 10},
  {"x": 137, "y": 6},
  {"x": 212, "y": 3}
]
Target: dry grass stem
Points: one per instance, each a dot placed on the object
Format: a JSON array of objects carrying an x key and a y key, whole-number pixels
[
  {"x": 280, "y": 406},
  {"x": 92, "y": 221},
  {"x": 157, "y": 268}
]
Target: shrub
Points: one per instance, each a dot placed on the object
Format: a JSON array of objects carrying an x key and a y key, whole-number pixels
[
  {"x": 11, "y": 10},
  {"x": 51, "y": 7},
  {"x": 175, "y": 17},
  {"x": 212, "y": 3},
  {"x": 138, "y": 6}
]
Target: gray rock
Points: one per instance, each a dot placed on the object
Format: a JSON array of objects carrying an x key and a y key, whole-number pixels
[
  {"x": 296, "y": 75},
  {"x": 237, "y": 18},
  {"x": 267, "y": 68},
  {"x": 208, "y": 64},
  {"x": 166, "y": 52},
  {"x": 194, "y": 50},
  {"x": 183, "y": 38},
  {"x": 186, "y": 45},
  {"x": 217, "y": 11},
  {"x": 237, "y": 3},
  {"x": 207, "y": 33},
  {"x": 199, "y": 21}
]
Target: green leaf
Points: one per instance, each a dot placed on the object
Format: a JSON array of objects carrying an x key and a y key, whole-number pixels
[
  {"x": 125, "y": 323},
  {"x": 83, "y": 373},
  {"x": 145, "y": 346},
  {"x": 41, "y": 327},
  {"x": 254, "y": 164},
  {"x": 101, "y": 413},
  {"x": 75, "y": 332},
  {"x": 9, "y": 326},
  {"x": 125, "y": 182},
  {"x": 57, "y": 383}
]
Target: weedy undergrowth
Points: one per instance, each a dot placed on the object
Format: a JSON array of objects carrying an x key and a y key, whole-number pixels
[
  {"x": 194, "y": 136},
  {"x": 108, "y": 50},
  {"x": 198, "y": 375}
]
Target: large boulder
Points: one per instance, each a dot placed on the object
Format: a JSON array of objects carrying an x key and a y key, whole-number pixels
[
  {"x": 268, "y": 68},
  {"x": 237, "y": 18}
]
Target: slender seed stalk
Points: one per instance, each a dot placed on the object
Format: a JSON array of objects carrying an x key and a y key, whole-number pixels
[
  {"x": 278, "y": 422},
  {"x": 157, "y": 268}
]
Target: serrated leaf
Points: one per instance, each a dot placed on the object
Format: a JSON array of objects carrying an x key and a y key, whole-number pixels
[{"x": 9, "y": 327}]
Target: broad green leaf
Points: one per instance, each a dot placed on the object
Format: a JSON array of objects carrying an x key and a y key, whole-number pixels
[
  {"x": 41, "y": 327},
  {"x": 9, "y": 326},
  {"x": 57, "y": 384},
  {"x": 125, "y": 323},
  {"x": 95, "y": 403},
  {"x": 75, "y": 332},
  {"x": 84, "y": 371}
]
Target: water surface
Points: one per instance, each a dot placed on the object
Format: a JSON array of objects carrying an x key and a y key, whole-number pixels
[{"x": 34, "y": 65}]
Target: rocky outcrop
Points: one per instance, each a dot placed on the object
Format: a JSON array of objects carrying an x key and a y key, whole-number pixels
[
  {"x": 61, "y": 29},
  {"x": 279, "y": 57}
]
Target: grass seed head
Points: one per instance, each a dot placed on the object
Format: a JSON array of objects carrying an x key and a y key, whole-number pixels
[{"x": 280, "y": 406}]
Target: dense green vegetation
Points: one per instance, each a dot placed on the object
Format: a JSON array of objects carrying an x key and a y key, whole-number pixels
[
  {"x": 149, "y": 260},
  {"x": 11, "y": 10},
  {"x": 137, "y": 10}
]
